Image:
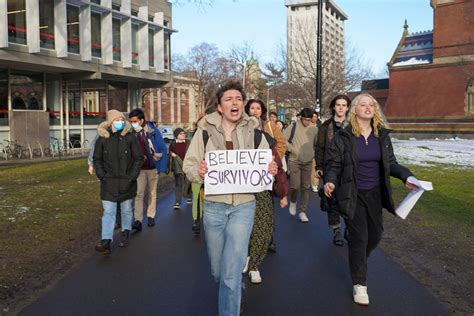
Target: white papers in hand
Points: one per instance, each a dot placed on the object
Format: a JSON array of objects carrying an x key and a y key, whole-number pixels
[{"x": 410, "y": 200}]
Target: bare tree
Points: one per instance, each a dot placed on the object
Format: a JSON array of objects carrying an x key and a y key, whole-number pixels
[
  {"x": 341, "y": 72},
  {"x": 201, "y": 60},
  {"x": 245, "y": 62}
]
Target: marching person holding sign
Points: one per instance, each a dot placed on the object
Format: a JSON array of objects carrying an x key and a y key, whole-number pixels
[
  {"x": 230, "y": 136},
  {"x": 360, "y": 161}
]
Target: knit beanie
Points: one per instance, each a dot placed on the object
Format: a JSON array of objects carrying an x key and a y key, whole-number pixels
[
  {"x": 112, "y": 115},
  {"x": 177, "y": 131}
]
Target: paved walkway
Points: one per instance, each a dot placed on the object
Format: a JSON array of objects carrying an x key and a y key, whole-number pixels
[{"x": 165, "y": 271}]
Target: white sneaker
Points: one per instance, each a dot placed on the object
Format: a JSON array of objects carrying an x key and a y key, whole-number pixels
[
  {"x": 360, "y": 295},
  {"x": 303, "y": 217},
  {"x": 255, "y": 277},
  {"x": 292, "y": 208},
  {"x": 246, "y": 268},
  {"x": 315, "y": 188}
]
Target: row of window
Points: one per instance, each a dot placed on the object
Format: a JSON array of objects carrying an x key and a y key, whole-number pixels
[{"x": 16, "y": 12}]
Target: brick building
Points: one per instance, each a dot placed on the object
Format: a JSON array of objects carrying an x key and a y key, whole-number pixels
[
  {"x": 431, "y": 75},
  {"x": 174, "y": 104}
]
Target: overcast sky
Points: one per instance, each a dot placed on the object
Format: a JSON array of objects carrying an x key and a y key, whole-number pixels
[{"x": 374, "y": 26}]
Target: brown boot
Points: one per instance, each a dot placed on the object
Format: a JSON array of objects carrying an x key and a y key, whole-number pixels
[{"x": 103, "y": 246}]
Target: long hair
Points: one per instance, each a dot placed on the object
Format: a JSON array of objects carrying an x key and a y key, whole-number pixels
[
  {"x": 378, "y": 121},
  {"x": 262, "y": 107}
]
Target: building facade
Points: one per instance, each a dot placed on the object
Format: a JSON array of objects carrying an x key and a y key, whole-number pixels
[
  {"x": 174, "y": 105},
  {"x": 65, "y": 63},
  {"x": 432, "y": 74},
  {"x": 302, "y": 26}
]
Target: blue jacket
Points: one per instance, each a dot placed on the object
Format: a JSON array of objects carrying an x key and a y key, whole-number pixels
[{"x": 160, "y": 147}]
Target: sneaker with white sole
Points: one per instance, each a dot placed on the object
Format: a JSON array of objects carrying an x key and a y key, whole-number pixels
[
  {"x": 303, "y": 217},
  {"x": 246, "y": 268},
  {"x": 255, "y": 277},
  {"x": 360, "y": 295},
  {"x": 292, "y": 208}
]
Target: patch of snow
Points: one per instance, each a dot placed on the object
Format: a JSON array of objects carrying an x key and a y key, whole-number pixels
[
  {"x": 22, "y": 209},
  {"x": 411, "y": 61},
  {"x": 454, "y": 151}
]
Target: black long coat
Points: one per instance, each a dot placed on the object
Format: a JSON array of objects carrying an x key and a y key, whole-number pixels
[
  {"x": 342, "y": 167},
  {"x": 118, "y": 159}
]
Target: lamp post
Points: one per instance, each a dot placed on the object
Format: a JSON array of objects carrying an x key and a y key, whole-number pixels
[
  {"x": 268, "y": 95},
  {"x": 319, "y": 57}
]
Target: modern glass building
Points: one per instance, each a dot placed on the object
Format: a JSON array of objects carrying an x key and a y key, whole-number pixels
[{"x": 64, "y": 63}]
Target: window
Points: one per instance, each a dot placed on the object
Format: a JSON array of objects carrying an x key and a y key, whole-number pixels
[
  {"x": 151, "y": 51},
  {"x": 134, "y": 43},
  {"x": 115, "y": 6},
  {"x": 26, "y": 91},
  {"x": 118, "y": 96},
  {"x": 96, "y": 45},
  {"x": 46, "y": 20},
  {"x": 72, "y": 29},
  {"x": 3, "y": 98},
  {"x": 307, "y": 7},
  {"x": 116, "y": 23},
  {"x": 134, "y": 12},
  {"x": 94, "y": 98},
  {"x": 470, "y": 98},
  {"x": 95, "y": 1},
  {"x": 53, "y": 98},
  {"x": 16, "y": 11},
  {"x": 166, "y": 50}
]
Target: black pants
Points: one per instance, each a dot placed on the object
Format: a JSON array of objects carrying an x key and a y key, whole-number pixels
[
  {"x": 182, "y": 187},
  {"x": 329, "y": 205},
  {"x": 365, "y": 232}
]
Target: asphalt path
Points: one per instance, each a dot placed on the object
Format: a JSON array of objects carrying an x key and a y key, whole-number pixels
[{"x": 165, "y": 271}]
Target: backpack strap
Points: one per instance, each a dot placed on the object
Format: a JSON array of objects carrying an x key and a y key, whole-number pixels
[
  {"x": 205, "y": 138},
  {"x": 257, "y": 138},
  {"x": 292, "y": 134}
]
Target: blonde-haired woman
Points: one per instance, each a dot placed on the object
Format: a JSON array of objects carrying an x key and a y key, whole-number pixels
[{"x": 360, "y": 163}]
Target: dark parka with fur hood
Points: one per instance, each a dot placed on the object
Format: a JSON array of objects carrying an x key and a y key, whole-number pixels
[
  {"x": 117, "y": 160},
  {"x": 342, "y": 164}
]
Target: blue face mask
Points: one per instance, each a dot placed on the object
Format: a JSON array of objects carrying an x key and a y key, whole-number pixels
[{"x": 119, "y": 125}]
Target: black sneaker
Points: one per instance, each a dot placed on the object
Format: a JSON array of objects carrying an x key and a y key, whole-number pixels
[
  {"x": 151, "y": 222},
  {"x": 103, "y": 246},
  {"x": 196, "y": 227},
  {"x": 125, "y": 238},
  {"x": 137, "y": 225},
  {"x": 337, "y": 237},
  {"x": 272, "y": 247},
  {"x": 176, "y": 206}
]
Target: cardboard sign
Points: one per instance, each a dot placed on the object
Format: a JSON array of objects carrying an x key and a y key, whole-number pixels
[{"x": 238, "y": 171}]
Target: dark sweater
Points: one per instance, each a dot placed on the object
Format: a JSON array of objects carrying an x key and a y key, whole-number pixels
[{"x": 368, "y": 173}]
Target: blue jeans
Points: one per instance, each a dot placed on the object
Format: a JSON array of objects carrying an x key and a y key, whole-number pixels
[
  {"x": 227, "y": 229},
  {"x": 108, "y": 218}
]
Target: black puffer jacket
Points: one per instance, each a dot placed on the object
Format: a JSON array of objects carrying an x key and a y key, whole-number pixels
[
  {"x": 325, "y": 135},
  {"x": 342, "y": 165},
  {"x": 117, "y": 160}
]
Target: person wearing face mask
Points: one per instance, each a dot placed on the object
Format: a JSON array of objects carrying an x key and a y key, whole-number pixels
[
  {"x": 156, "y": 160},
  {"x": 117, "y": 161}
]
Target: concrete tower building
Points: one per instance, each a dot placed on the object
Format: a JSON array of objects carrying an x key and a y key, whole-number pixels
[{"x": 302, "y": 25}]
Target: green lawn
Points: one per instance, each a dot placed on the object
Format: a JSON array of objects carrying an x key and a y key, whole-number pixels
[
  {"x": 45, "y": 209},
  {"x": 450, "y": 203}
]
